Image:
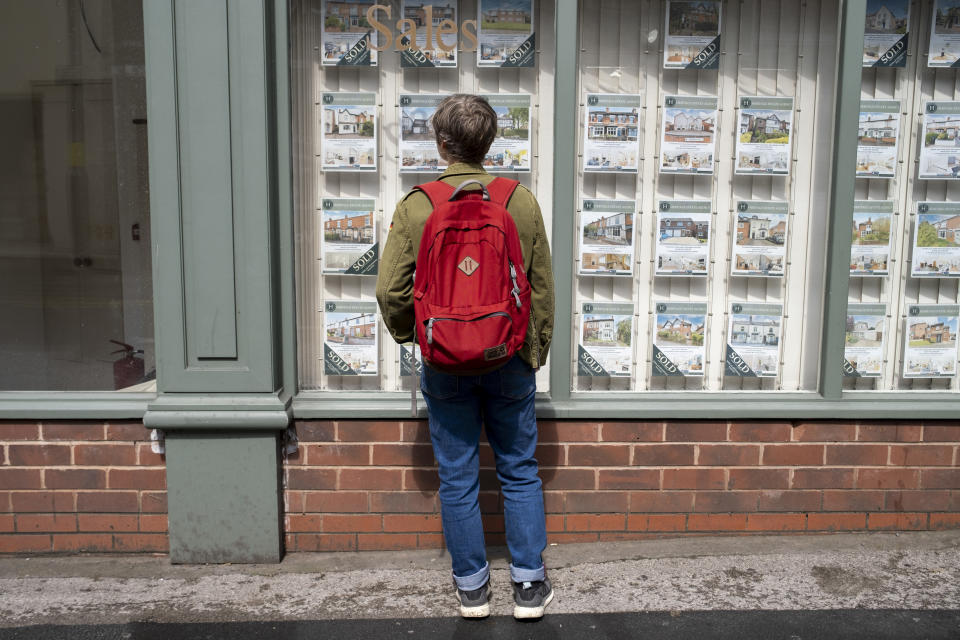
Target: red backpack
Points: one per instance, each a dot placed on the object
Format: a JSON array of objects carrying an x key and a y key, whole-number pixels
[{"x": 471, "y": 295}]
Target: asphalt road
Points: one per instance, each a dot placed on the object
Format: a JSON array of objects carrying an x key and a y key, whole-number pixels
[{"x": 742, "y": 625}]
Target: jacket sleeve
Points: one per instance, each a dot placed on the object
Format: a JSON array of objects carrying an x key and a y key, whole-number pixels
[
  {"x": 541, "y": 284},
  {"x": 395, "y": 279}
]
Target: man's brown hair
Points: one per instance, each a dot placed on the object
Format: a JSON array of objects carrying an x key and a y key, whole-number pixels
[{"x": 466, "y": 124}]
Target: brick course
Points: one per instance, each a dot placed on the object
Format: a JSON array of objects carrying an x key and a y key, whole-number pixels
[
  {"x": 81, "y": 486},
  {"x": 622, "y": 480}
]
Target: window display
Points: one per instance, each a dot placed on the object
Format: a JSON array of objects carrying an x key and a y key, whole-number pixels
[
  {"x": 506, "y": 34},
  {"x": 930, "y": 343},
  {"x": 606, "y": 237},
  {"x": 936, "y": 240},
  {"x": 871, "y": 237},
  {"x": 692, "y": 35},
  {"x": 611, "y": 140},
  {"x": 885, "y": 33},
  {"x": 765, "y": 130},
  {"x": 678, "y": 344},
  {"x": 864, "y": 342},
  {"x": 683, "y": 238},
  {"x": 878, "y": 138},
  {"x": 688, "y": 134},
  {"x": 349, "y": 236},
  {"x": 753, "y": 341},
  {"x": 348, "y": 122},
  {"x": 759, "y": 241}
]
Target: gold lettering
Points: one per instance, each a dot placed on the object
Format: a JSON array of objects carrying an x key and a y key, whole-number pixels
[
  {"x": 411, "y": 35},
  {"x": 428, "y": 12},
  {"x": 446, "y": 28},
  {"x": 469, "y": 36},
  {"x": 379, "y": 26}
]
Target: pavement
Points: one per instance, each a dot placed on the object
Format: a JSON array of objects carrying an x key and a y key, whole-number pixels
[{"x": 875, "y": 585}]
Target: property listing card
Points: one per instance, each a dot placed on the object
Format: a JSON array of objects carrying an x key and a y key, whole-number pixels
[
  {"x": 350, "y": 338},
  {"x": 941, "y": 143},
  {"x": 863, "y": 347},
  {"x": 348, "y": 129},
  {"x": 348, "y": 236},
  {"x": 346, "y": 34},
  {"x": 436, "y": 27},
  {"x": 765, "y": 135},
  {"x": 945, "y": 34},
  {"x": 605, "y": 346},
  {"x": 878, "y": 138},
  {"x": 683, "y": 238},
  {"x": 606, "y": 237},
  {"x": 870, "y": 237},
  {"x": 418, "y": 145},
  {"x": 410, "y": 362},
  {"x": 753, "y": 340},
  {"x": 505, "y": 33},
  {"x": 936, "y": 241},
  {"x": 611, "y": 139},
  {"x": 885, "y": 33},
  {"x": 760, "y": 238},
  {"x": 511, "y": 149},
  {"x": 692, "y": 35},
  {"x": 678, "y": 345},
  {"x": 930, "y": 345},
  {"x": 688, "y": 134}
]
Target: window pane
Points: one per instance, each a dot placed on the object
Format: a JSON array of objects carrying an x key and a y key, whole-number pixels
[{"x": 76, "y": 309}]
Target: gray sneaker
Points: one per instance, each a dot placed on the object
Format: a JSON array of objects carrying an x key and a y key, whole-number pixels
[
  {"x": 475, "y": 603},
  {"x": 531, "y": 599}
]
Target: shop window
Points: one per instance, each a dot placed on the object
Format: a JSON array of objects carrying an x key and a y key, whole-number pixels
[{"x": 76, "y": 310}]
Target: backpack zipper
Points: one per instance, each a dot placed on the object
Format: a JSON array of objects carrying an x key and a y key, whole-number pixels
[{"x": 432, "y": 320}]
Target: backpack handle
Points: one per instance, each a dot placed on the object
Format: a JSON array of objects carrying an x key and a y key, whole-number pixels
[{"x": 486, "y": 194}]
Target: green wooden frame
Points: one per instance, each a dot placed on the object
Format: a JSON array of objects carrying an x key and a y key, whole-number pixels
[{"x": 239, "y": 368}]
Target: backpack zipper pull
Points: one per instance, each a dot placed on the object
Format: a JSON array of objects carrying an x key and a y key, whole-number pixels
[
  {"x": 516, "y": 288},
  {"x": 430, "y": 330}
]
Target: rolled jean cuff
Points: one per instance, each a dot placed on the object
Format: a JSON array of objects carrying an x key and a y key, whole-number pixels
[
  {"x": 475, "y": 581},
  {"x": 527, "y": 575}
]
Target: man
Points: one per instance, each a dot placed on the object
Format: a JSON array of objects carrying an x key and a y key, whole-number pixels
[{"x": 502, "y": 400}]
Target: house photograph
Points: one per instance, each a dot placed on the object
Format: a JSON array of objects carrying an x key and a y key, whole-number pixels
[
  {"x": 864, "y": 331},
  {"x": 613, "y": 123},
  {"x": 760, "y": 230},
  {"x": 941, "y": 131},
  {"x": 689, "y": 125},
  {"x": 349, "y": 122},
  {"x": 680, "y": 264},
  {"x": 868, "y": 262},
  {"x": 606, "y": 330},
  {"x": 758, "y": 263},
  {"x": 506, "y": 16},
  {"x": 683, "y": 230},
  {"x": 351, "y": 328},
  {"x": 929, "y": 332},
  {"x": 346, "y": 17},
  {"x": 755, "y": 330},
  {"x": 613, "y": 262},
  {"x": 878, "y": 129},
  {"x": 871, "y": 229},
  {"x": 887, "y": 16},
  {"x": 348, "y": 226},
  {"x": 700, "y": 19},
  {"x": 415, "y": 124},
  {"x": 610, "y": 228},
  {"x": 680, "y": 329},
  {"x": 766, "y": 127},
  {"x": 513, "y": 122},
  {"x": 947, "y": 18},
  {"x": 938, "y": 230}
]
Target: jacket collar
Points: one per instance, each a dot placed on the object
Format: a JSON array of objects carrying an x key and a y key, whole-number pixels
[{"x": 462, "y": 169}]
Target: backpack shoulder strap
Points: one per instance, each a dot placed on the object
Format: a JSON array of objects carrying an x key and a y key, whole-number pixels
[
  {"x": 501, "y": 190},
  {"x": 437, "y": 192}
]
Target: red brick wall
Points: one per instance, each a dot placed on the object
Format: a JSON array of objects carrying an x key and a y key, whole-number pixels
[
  {"x": 357, "y": 485},
  {"x": 80, "y": 486}
]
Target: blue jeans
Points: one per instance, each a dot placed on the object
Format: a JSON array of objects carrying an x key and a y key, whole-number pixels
[{"x": 458, "y": 406}]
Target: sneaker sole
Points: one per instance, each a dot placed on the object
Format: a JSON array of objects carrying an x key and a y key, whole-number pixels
[
  {"x": 532, "y": 613},
  {"x": 481, "y": 611}
]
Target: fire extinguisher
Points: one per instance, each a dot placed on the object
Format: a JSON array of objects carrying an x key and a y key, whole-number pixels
[{"x": 128, "y": 369}]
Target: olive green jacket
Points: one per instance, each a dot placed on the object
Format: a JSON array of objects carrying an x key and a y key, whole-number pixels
[{"x": 397, "y": 262}]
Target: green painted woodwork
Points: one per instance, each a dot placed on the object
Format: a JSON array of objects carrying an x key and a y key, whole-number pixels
[
  {"x": 843, "y": 178},
  {"x": 224, "y": 496},
  {"x": 213, "y": 176},
  {"x": 564, "y": 193}
]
